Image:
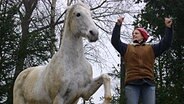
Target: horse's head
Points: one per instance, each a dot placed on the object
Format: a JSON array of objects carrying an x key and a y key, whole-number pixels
[{"x": 81, "y": 23}]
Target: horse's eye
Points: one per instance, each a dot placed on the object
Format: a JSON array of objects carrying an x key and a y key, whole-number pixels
[{"x": 78, "y": 14}]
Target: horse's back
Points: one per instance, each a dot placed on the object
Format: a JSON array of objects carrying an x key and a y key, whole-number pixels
[
  {"x": 24, "y": 86},
  {"x": 18, "y": 96}
]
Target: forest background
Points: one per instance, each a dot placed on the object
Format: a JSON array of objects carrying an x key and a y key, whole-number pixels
[{"x": 31, "y": 31}]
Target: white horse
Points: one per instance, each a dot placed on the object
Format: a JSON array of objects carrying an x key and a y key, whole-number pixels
[{"x": 68, "y": 76}]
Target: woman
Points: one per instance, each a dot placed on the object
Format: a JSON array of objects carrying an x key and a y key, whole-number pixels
[{"x": 139, "y": 61}]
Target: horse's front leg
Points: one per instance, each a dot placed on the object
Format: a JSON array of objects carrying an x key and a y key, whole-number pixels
[
  {"x": 58, "y": 100},
  {"x": 94, "y": 86}
]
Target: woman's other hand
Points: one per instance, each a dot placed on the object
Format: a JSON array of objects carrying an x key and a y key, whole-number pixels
[
  {"x": 120, "y": 20},
  {"x": 168, "y": 22}
]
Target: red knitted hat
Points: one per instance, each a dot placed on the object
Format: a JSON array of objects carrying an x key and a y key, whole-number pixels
[{"x": 143, "y": 32}]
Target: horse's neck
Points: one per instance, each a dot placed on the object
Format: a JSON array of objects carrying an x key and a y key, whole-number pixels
[
  {"x": 71, "y": 46},
  {"x": 69, "y": 55},
  {"x": 71, "y": 50}
]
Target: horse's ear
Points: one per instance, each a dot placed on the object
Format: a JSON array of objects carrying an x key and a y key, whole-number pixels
[
  {"x": 69, "y": 2},
  {"x": 81, "y": 1}
]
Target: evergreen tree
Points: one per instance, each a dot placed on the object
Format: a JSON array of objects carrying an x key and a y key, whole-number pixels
[{"x": 8, "y": 45}]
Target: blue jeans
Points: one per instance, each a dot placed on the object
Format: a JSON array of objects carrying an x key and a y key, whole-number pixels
[{"x": 145, "y": 92}]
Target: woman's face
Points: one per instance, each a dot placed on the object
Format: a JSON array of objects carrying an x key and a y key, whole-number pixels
[{"x": 137, "y": 35}]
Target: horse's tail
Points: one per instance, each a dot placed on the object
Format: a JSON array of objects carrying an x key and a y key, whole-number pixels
[{"x": 18, "y": 96}]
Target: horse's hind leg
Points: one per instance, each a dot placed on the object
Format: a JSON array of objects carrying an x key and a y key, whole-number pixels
[{"x": 94, "y": 86}]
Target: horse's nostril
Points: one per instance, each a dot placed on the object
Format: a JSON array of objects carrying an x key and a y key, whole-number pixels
[
  {"x": 94, "y": 33},
  {"x": 91, "y": 32},
  {"x": 93, "y": 36}
]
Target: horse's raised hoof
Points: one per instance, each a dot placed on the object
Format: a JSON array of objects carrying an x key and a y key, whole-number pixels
[{"x": 107, "y": 100}]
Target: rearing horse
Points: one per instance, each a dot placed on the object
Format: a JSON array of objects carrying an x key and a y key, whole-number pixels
[{"x": 68, "y": 75}]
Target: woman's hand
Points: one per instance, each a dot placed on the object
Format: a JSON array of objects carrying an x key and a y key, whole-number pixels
[
  {"x": 120, "y": 20},
  {"x": 168, "y": 22}
]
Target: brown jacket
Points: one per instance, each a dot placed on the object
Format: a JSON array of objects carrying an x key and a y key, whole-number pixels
[{"x": 139, "y": 62}]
